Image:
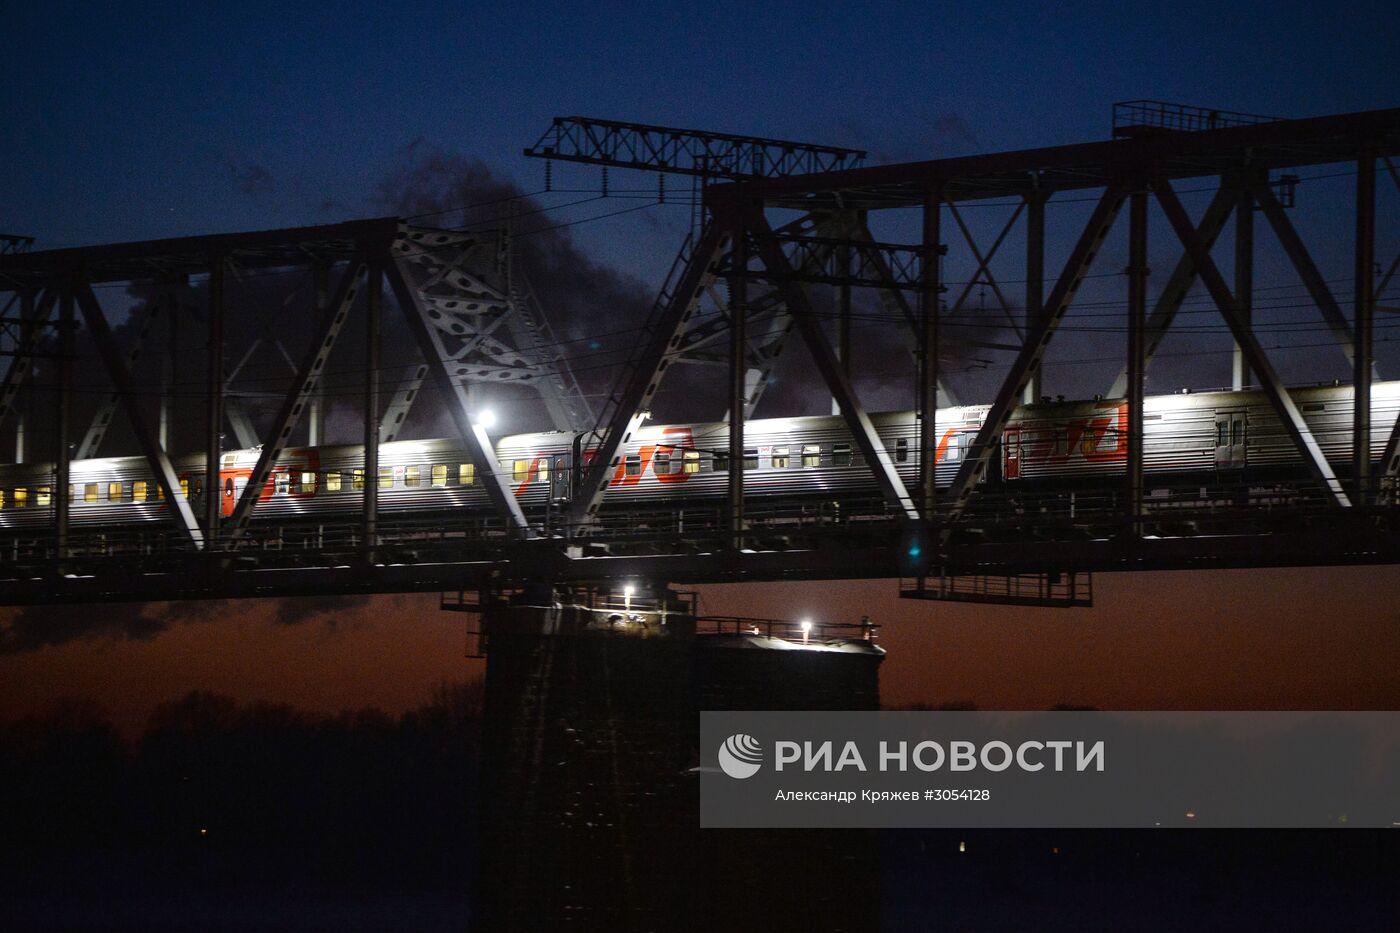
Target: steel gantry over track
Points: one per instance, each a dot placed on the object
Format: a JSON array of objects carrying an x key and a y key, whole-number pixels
[{"x": 780, "y": 222}]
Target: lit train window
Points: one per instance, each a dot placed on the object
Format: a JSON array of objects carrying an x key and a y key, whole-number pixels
[
  {"x": 70, "y": 492},
  {"x": 308, "y": 482},
  {"x": 901, "y": 449},
  {"x": 634, "y": 465},
  {"x": 90, "y": 492},
  {"x": 357, "y": 479},
  {"x": 386, "y": 477},
  {"x": 751, "y": 458},
  {"x": 543, "y": 474},
  {"x": 781, "y": 458},
  {"x": 661, "y": 463},
  {"x": 412, "y": 475},
  {"x": 466, "y": 474},
  {"x": 954, "y": 449},
  {"x": 841, "y": 455},
  {"x": 160, "y": 493},
  {"x": 114, "y": 492},
  {"x": 721, "y": 461},
  {"x": 280, "y": 484},
  {"x": 522, "y": 471},
  {"x": 185, "y": 486},
  {"x": 2, "y": 498},
  {"x": 42, "y": 497},
  {"x": 332, "y": 481},
  {"x": 138, "y": 490},
  {"x": 690, "y": 462},
  {"x": 811, "y": 455},
  {"x": 439, "y": 474},
  {"x": 21, "y": 497}
]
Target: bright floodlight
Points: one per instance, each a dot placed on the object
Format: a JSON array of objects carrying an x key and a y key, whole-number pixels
[
  {"x": 806, "y": 625},
  {"x": 486, "y": 418},
  {"x": 628, "y": 591}
]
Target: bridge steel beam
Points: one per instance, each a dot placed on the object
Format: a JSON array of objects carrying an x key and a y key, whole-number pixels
[
  {"x": 1364, "y": 299},
  {"x": 1244, "y": 278},
  {"x": 928, "y": 353},
  {"x": 459, "y": 404},
  {"x": 738, "y": 314},
  {"x": 1178, "y": 285},
  {"x": 1137, "y": 356},
  {"x": 308, "y": 377},
  {"x": 974, "y": 465},
  {"x": 897, "y": 305},
  {"x": 102, "y": 418},
  {"x": 1283, "y": 404},
  {"x": 984, "y": 265},
  {"x": 1035, "y": 272},
  {"x": 156, "y": 456},
  {"x": 214, "y": 410},
  {"x": 67, "y": 350},
  {"x": 35, "y": 311},
  {"x": 862, "y": 430},
  {"x": 659, "y": 352},
  {"x": 1307, "y": 270},
  {"x": 369, "y": 486}
]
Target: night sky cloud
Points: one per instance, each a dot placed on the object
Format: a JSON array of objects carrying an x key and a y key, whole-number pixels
[{"x": 252, "y": 178}]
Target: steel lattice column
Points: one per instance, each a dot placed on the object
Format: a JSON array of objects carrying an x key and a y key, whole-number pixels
[
  {"x": 928, "y": 354},
  {"x": 738, "y": 314},
  {"x": 1137, "y": 349},
  {"x": 1365, "y": 309}
]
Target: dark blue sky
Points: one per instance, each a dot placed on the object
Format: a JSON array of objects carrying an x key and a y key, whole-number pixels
[{"x": 134, "y": 120}]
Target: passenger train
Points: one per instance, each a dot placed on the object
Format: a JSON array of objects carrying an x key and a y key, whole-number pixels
[{"x": 1200, "y": 438}]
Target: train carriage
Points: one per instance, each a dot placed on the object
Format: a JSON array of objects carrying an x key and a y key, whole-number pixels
[{"x": 1204, "y": 438}]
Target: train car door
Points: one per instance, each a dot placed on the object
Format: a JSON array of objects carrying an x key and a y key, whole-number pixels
[
  {"x": 1011, "y": 448},
  {"x": 559, "y": 479},
  {"x": 1231, "y": 437}
]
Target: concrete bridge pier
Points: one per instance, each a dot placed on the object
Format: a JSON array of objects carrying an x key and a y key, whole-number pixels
[{"x": 589, "y": 789}]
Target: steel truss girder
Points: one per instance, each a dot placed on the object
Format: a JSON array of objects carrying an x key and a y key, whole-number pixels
[
  {"x": 156, "y": 455},
  {"x": 454, "y": 394},
  {"x": 767, "y": 325},
  {"x": 1178, "y": 285},
  {"x": 307, "y": 376},
  {"x": 984, "y": 264},
  {"x": 628, "y": 410},
  {"x": 1307, "y": 270},
  {"x": 102, "y": 419},
  {"x": 770, "y": 321},
  {"x": 35, "y": 315},
  {"x": 459, "y": 284},
  {"x": 1274, "y": 388},
  {"x": 874, "y": 265},
  {"x": 862, "y": 430},
  {"x": 896, "y": 304},
  {"x": 685, "y": 152},
  {"x": 974, "y": 465}
]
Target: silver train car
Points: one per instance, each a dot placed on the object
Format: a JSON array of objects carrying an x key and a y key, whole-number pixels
[{"x": 1228, "y": 438}]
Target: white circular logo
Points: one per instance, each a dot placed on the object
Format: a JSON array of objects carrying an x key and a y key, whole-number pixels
[{"x": 740, "y": 756}]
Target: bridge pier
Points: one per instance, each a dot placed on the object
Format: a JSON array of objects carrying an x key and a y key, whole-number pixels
[{"x": 589, "y": 809}]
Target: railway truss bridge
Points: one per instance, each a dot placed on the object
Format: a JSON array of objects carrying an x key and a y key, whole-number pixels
[{"x": 781, "y": 224}]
